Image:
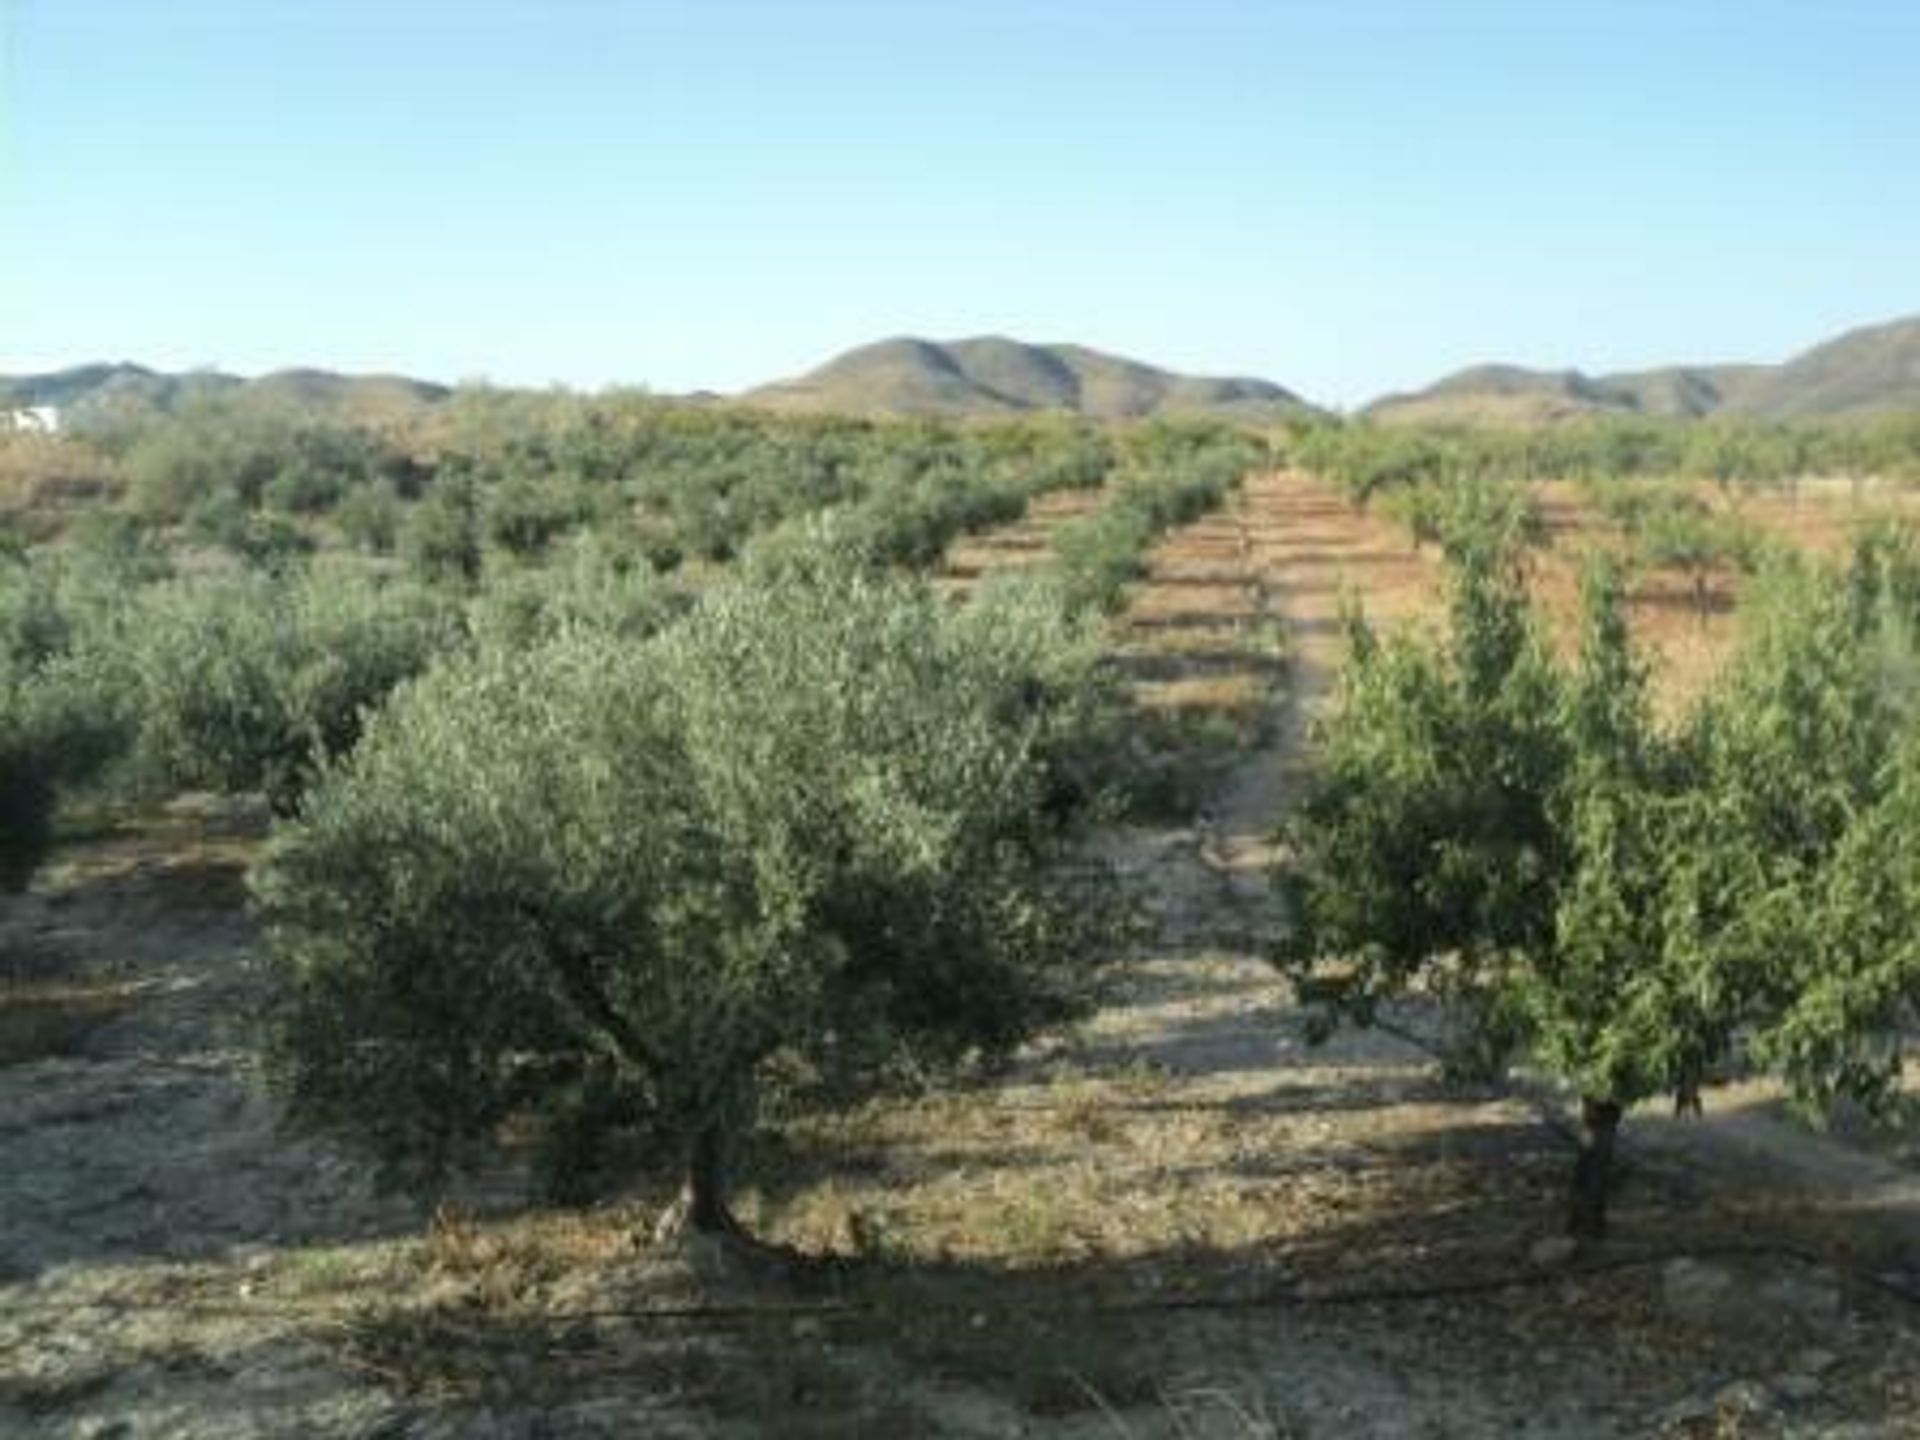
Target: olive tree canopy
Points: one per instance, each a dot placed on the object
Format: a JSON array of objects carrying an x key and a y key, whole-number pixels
[{"x": 809, "y": 834}]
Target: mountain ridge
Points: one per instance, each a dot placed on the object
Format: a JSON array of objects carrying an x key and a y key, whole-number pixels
[
  {"x": 102, "y": 383},
  {"x": 1866, "y": 370}
]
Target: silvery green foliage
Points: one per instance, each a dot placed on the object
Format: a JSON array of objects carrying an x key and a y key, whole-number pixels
[
  {"x": 369, "y": 515},
  {"x": 585, "y": 585},
  {"x": 62, "y": 718},
  {"x": 1172, "y": 474},
  {"x": 243, "y": 682},
  {"x": 441, "y": 537},
  {"x": 795, "y": 843}
]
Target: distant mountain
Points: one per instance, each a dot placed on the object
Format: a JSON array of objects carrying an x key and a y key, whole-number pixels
[
  {"x": 84, "y": 387},
  {"x": 1684, "y": 392},
  {"x": 1872, "y": 369},
  {"x": 324, "y": 388},
  {"x": 92, "y": 384},
  {"x": 992, "y": 375},
  {"x": 1502, "y": 394},
  {"x": 1876, "y": 368}
]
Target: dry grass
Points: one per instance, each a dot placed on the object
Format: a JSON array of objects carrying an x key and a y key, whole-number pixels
[
  {"x": 1328, "y": 554},
  {"x": 1688, "y": 641},
  {"x": 1238, "y": 695},
  {"x": 1026, "y": 543},
  {"x": 1206, "y": 604}
]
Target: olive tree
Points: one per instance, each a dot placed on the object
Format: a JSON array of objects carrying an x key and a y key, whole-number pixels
[
  {"x": 61, "y": 719},
  {"x": 369, "y": 515},
  {"x": 800, "y": 843},
  {"x": 243, "y": 683},
  {"x": 440, "y": 537}
]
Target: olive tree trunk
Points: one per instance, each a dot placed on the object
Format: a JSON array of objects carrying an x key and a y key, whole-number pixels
[
  {"x": 1593, "y": 1170},
  {"x": 707, "y": 1210}
]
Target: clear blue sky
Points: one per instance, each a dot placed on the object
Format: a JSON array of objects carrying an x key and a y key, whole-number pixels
[{"x": 1345, "y": 197}]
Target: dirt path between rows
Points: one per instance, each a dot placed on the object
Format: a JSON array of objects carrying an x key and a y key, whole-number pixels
[{"x": 1206, "y": 1008}]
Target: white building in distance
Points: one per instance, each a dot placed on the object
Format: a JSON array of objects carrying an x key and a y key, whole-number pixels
[{"x": 38, "y": 419}]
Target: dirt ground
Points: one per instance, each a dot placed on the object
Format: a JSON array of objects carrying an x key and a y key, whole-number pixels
[
  {"x": 1180, "y": 1219},
  {"x": 1690, "y": 634}
]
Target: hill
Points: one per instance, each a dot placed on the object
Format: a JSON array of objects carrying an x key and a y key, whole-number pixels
[
  {"x": 1875, "y": 368},
  {"x": 992, "y": 375},
  {"x": 83, "y": 385},
  {"x": 86, "y": 387},
  {"x": 324, "y": 388}
]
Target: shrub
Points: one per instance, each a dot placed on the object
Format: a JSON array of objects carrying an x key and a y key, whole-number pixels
[
  {"x": 587, "y": 586},
  {"x": 523, "y": 515},
  {"x": 272, "y": 542},
  {"x": 369, "y": 516},
  {"x": 118, "y": 541},
  {"x": 246, "y": 683},
  {"x": 790, "y": 846},
  {"x": 1101, "y": 554},
  {"x": 218, "y": 517},
  {"x": 304, "y": 486},
  {"x": 61, "y": 720},
  {"x": 441, "y": 536}
]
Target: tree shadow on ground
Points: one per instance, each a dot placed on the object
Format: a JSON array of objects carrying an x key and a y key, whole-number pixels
[
  {"x": 133, "y": 1125},
  {"x": 1434, "y": 1272}
]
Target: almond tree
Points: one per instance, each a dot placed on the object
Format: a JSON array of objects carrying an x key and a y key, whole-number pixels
[
  {"x": 1746, "y": 874},
  {"x": 1428, "y": 847}
]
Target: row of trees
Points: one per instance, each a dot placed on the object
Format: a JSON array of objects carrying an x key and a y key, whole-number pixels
[
  {"x": 626, "y": 864},
  {"x": 1629, "y": 902},
  {"x": 239, "y": 683},
  {"x": 1655, "y": 525},
  {"x": 1171, "y": 476},
  {"x": 509, "y": 474},
  {"x": 248, "y": 678},
  {"x": 628, "y": 889},
  {"x": 631, "y": 884},
  {"x": 1365, "y": 458},
  {"x": 574, "y": 848}
]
